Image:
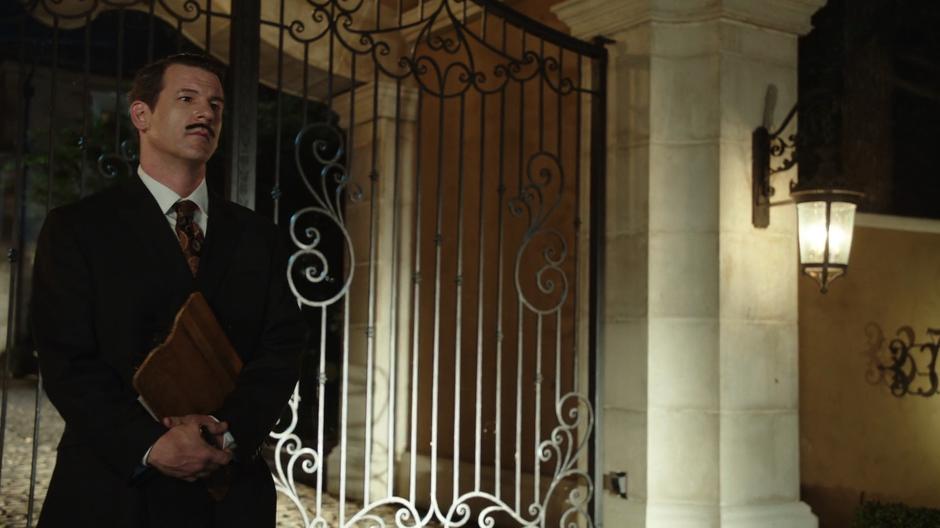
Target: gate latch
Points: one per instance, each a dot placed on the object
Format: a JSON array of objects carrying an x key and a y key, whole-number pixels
[{"x": 617, "y": 483}]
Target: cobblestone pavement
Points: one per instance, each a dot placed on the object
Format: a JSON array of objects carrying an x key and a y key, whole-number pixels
[{"x": 18, "y": 456}]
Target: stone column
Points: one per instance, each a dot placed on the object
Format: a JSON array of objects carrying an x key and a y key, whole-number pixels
[
  {"x": 380, "y": 224},
  {"x": 700, "y": 351}
]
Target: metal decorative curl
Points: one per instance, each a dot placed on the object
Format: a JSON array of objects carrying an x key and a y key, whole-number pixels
[
  {"x": 326, "y": 144},
  {"x": 562, "y": 447},
  {"x": 328, "y": 151},
  {"x": 780, "y": 145},
  {"x": 119, "y": 164},
  {"x": 291, "y": 445},
  {"x": 543, "y": 175}
]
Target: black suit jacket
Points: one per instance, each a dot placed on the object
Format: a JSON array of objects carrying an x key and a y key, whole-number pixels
[{"x": 109, "y": 277}]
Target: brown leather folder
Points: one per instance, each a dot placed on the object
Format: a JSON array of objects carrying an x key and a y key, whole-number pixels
[{"x": 191, "y": 372}]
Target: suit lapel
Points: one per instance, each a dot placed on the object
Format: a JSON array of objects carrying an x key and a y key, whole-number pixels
[
  {"x": 159, "y": 247},
  {"x": 222, "y": 238}
]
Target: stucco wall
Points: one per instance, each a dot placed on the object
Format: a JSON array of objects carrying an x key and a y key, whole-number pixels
[{"x": 856, "y": 437}]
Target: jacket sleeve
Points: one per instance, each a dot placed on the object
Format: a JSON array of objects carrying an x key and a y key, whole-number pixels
[
  {"x": 97, "y": 406},
  {"x": 271, "y": 372}
]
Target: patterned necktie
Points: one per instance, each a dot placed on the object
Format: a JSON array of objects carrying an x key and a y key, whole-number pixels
[{"x": 189, "y": 233}]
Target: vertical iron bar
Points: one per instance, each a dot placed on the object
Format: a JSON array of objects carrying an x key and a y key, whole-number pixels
[
  {"x": 30, "y": 505},
  {"x": 151, "y": 19},
  {"x": 370, "y": 332},
  {"x": 393, "y": 298},
  {"x": 538, "y": 404},
  {"x": 118, "y": 80},
  {"x": 321, "y": 395},
  {"x": 373, "y": 178},
  {"x": 438, "y": 245},
  {"x": 560, "y": 153},
  {"x": 344, "y": 414},
  {"x": 344, "y": 420},
  {"x": 303, "y": 110},
  {"x": 86, "y": 73},
  {"x": 517, "y": 454},
  {"x": 543, "y": 78},
  {"x": 458, "y": 282},
  {"x": 598, "y": 269},
  {"x": 578, "y": 219},
  {"x": 329, "y": 70},
  {"x": 520, "y": 312},
  {"x": 558, "y": 323},
  {"x": 501, "y": 190},
  {"x": 179, "y": 35},
  {"x": 243, "y": 132},
  {"x": 521, "y": 158},
  {"x": 558, "y": 99},
  {"x": 478, "y": 433},
  {"x": 14, "y": 256},
  {"x": 50, "y": 173},
  {"x": 416, "y": 302},
  {"x": 276, "y": 195},
  {"x": 208, "y": 27}
]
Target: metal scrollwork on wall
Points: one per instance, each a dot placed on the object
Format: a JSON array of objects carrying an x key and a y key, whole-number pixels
[{"x": 908, "y": 368}]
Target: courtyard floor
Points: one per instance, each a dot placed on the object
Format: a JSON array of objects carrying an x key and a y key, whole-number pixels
[{"x": 18, "y": 448}]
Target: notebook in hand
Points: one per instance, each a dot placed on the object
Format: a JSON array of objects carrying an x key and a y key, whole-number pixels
[{"x": 193, "y": 370}]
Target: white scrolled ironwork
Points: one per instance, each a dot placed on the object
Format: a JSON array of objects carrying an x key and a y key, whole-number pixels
[{"x": 449, "y": 60}]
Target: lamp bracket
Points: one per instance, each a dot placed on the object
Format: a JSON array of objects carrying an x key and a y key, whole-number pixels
[{"x": 766, "y": 145}]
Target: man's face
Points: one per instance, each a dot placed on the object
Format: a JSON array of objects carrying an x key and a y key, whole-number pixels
[{"x": 187, "y": 118}]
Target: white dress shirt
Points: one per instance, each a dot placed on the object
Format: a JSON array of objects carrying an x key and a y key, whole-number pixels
[{"x": 166, "y": 198}]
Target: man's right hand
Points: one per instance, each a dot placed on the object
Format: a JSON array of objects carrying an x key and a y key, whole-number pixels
[{"x": 182, "y": 453}]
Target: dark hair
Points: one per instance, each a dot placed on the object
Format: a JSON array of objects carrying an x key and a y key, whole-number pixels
[{"x": 148, "y": 82}]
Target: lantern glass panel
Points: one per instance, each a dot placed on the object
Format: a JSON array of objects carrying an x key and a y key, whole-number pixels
[
  {"x": 841, "y": 222},
  {"x": 811, "y": 217}
]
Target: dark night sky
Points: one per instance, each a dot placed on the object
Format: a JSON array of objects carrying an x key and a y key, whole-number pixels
[{"x": 881, "y": 59}]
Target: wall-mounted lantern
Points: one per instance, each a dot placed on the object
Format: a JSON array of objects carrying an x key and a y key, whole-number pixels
[{"x": 825, "y": 207}]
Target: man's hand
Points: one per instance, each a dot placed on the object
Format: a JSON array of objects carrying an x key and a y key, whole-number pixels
[
  {"x": 213, "y": 427},
  {"x": 182, "y": 453}
]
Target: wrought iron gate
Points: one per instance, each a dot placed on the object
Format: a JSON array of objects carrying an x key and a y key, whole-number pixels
[{"x": 432, "y": 161}]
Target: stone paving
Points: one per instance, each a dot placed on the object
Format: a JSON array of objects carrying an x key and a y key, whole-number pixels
[{"x": 18, "y": 456}]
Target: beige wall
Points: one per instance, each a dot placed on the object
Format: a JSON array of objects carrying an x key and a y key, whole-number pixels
[{"x": 856, "y": 437}]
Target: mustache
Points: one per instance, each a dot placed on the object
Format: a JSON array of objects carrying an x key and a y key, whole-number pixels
[{"x": 194, "y": 126}]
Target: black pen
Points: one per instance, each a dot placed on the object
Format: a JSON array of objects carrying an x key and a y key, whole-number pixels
[{"x": 207, "y": 436}]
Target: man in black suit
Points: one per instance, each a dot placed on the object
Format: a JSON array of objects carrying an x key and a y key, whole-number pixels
[{"x": 111, "y": 271}]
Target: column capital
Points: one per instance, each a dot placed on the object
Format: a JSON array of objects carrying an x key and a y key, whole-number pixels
[
  {"x": 590, "y": 18},
  {"x": 388, "y": 93}
]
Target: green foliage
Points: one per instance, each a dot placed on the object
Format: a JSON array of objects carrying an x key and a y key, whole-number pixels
[
  {"x": 77, "y": 162},
  {"x": 873, "y": 514}
]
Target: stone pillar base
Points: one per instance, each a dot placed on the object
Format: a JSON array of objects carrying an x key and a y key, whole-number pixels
[
  {"x": 788, "y": 515},
  {"x": 623, "y": 513},
  {"x": 672, "y": 515}
]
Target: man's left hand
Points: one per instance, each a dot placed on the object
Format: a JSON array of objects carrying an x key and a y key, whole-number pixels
[{"x": 214, "y": 427}]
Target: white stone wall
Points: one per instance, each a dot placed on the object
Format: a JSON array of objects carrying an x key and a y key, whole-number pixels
[{"x": 700, "y": 328}]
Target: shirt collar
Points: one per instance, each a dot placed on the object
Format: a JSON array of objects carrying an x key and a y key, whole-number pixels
[{"x": 167, "y": 197}]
